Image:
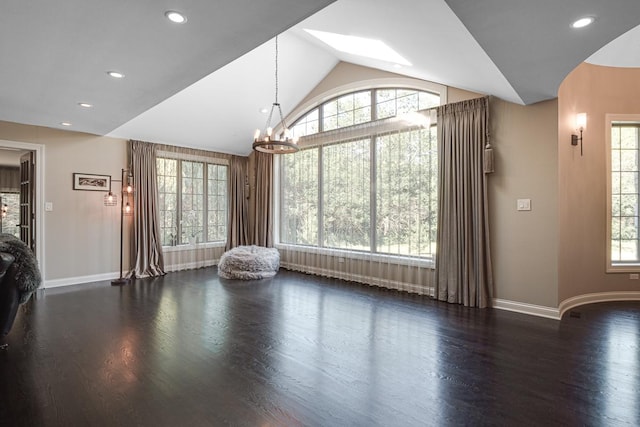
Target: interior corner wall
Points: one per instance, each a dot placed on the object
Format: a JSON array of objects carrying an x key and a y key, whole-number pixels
[
  {"x": 597, "y": 91},
  {"x": 524, "y": 244},
  {"x": 82, "y": 236}
]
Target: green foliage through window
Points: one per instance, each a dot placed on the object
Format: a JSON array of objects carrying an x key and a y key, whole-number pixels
[
  {"x": 190, "y": 195},
  {"x": 376, "y": 193}
]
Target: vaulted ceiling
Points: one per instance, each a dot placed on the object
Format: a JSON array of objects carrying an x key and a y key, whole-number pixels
[{"x": 203, "y": 83}]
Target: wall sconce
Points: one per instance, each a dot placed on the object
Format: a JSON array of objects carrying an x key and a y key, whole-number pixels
[{"x": 581, "y": 124}]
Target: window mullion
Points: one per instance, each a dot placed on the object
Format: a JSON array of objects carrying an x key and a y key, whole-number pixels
[
  {"x": 373, "y": 208},
  {"x": 179, "y": 201},
  {"x": 320, "y": 197},
  {"x": 205, "y": 202}
]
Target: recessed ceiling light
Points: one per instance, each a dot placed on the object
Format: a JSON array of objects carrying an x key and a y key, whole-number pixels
[
  {"x": 65, "y": 123},
  {"x": 115, "y": 74},
  {"x": 264, "y": 110},
  {"x": 360, "y": 46},
  {"x": 85, "y": 104},
  {"x": 176, "y": 17},
  {"x": 583, "y": 22}
]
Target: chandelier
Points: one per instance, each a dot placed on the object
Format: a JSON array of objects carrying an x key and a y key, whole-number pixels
[{"x": 269, "y": 143}]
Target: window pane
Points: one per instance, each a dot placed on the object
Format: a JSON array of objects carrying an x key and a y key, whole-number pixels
[
  {"x": 166, "y": 169},
  {"x": 339, "y": 177},
  {"x": 299, "y": 212},
  {"x": 217, "y": 203},
  {"x": 192, "y": 202},
  {"x": 346, "y": 202},
  {"x": 624, "y": 193},
  {"x": 406, "y": 184}
]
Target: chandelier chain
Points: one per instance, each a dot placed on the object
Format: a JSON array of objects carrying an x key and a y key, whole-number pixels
[{"x": 276, "y": 69}]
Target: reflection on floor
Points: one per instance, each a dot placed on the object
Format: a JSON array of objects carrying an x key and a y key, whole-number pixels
[{"x": 193, "y": 349}]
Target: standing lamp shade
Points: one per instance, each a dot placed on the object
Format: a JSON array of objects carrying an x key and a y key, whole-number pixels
[{"x": 110, "y": 199}]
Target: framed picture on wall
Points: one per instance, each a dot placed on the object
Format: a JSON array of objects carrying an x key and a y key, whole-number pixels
[{"x": 91, "y": 182}]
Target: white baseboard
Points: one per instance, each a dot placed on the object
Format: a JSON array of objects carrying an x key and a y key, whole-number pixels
[
  {"x": 524, "y": 308},
  {"x": 68, "y": 281},
  {"x": 572, "y": 302}
]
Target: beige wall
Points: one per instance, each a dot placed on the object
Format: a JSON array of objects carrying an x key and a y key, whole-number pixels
[
  {"x": 597, "y": 91},
  {"x": 81, "y": 234},
  {"x": 524, "y": 243}
]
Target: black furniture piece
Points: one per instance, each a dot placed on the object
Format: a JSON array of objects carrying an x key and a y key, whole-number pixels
[
  {"x": 8, "y": 297},
  {"x": 19, "y": 278}
]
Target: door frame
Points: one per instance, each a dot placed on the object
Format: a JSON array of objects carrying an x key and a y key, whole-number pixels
[{"x": 39, "y": 199}]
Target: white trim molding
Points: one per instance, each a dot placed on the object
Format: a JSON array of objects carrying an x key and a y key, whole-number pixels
[
  {"x": 68, "y": 281},
  {"x": 578, "y": 300},
  {"x": 525, "y": 308}
]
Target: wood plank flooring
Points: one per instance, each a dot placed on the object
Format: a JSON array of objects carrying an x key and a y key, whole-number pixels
[{"x": 191, "y": 349}]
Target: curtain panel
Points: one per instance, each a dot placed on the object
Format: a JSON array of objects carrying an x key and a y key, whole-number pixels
[
  {"x": 463, "y": 263},
  {"x": 147, "y": 245},
  {"x": 238, "y": 206},
  {"x": 263, "y": 206}
]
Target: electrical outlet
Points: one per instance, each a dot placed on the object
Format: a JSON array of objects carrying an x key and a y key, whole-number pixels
[{"x": 633, "y": 276}]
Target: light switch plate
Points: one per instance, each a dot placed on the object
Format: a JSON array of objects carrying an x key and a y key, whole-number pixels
[
  {"x": 524, "y": 204},
  {"x": 48, "y": 206}
]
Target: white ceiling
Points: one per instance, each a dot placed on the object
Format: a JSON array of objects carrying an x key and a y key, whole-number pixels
[{"x": 202, "y": 83}]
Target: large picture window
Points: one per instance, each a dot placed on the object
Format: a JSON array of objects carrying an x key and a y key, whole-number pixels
[
  {"x": 192, "y": 199},
  {"x": 624, "y": 194},
  {"x": 366, "y": 180}
]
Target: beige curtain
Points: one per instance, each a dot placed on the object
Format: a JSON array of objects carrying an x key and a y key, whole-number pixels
[
  {"x": 147, "y": 245},
  {"x": 463, "y": 263},
  {"x": 263, "y": 208},
  {"x": 238, "y": 206}
]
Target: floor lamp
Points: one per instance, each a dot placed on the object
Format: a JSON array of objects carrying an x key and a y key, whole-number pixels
[{"x": 125, "y": 209}]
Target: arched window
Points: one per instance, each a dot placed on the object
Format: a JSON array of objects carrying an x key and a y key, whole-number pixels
[{"x": 365, "y": 178}]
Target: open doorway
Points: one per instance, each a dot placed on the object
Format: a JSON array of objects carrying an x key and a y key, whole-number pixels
[
  {"x": 31, "y": 207},
  {"x": 10, "y": 190}
]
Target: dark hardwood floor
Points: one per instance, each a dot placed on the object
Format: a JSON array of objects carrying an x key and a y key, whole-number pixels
[{"x": 191, "y": 349}]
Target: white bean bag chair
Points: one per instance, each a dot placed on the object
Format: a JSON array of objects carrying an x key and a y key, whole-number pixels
[{"x": 249, "y": 263}]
